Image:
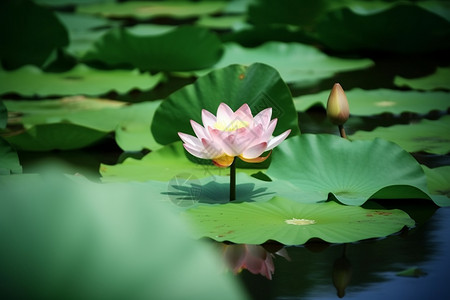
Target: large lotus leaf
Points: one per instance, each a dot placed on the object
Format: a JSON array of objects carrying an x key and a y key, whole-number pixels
[
  {"x": 9, "y": 161},
  {"x": 29, "y": 34},
  {"x": 3, "y": 115},
  {"x": 79, "y": 240},
  {"x": 371, "y": 102},
  {"x": 61, "y": 136},
  {"x": 163, "y": 164},
  {"x": 438, "y": 80},
  {"x": 295, "y": 62},
  {"x": 438, "y": 180},
  {"x": 201, "y": 49},
  {"x": 428, "y": 136},
  {"x": 293, "y": 223},
  {"x": 258, "y": 85},
  {"x": 351, "y": 171},
  {"x": 30, "y": 81},
  {"x": 143, "y": 10},
  {"x": 351, "y": 28},
  {"x": 130, "y": 122}
]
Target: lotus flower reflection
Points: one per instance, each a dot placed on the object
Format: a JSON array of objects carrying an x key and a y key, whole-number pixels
[{"x": 231, "y": 134}]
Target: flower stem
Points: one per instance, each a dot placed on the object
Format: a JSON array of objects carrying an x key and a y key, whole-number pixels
[
  {"x": 233, "y": 180},
  {"x": 342, "y": 131}
]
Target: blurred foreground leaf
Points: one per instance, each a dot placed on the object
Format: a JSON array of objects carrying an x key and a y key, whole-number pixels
[{"x": 73, "y": 239}]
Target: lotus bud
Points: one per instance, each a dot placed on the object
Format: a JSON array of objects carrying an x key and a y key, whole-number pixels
[{"x": 337, "y": 106}]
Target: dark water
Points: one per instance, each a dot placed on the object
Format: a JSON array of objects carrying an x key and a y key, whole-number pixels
[{"x": 371, "y": 267}]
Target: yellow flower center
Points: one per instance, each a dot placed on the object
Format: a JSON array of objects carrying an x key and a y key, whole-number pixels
[
  {"x": 295, "y": 221},
  {"x": 234, "y": 125}
]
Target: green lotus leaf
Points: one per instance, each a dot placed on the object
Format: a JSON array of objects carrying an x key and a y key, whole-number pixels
[
  {"x": 3, "y": 115},
  {"x": 426, "y": 135},
  {"x": 221, "y": 23},
  {"x": 258, "y": 85},
  {"x": 293, "y": 223},
  {"x": 351, "y": 28},
  {"x": 201, "y": 49},
  {"x": 61, "y": 136},
  {"x": 130, "y": 122},
  {"x": 9, "y": 161},
  {"x": 438, "y": 180},
  {"x": 438, "y": 80},
  {"x": 22, "y": 41},
  {"x": 163, "y": 165},
  {"x": 352, "y": 172},
  {"x": 133, "y": 133},
  {"x": 30, "y": 81},
  {"x": 144, "y": 10},
  {"x": 295, "y": 62},
  {"x": 100, "y": 239},
  {"x": 372, "y": 102},
  {"x": 68, "y": 2}
]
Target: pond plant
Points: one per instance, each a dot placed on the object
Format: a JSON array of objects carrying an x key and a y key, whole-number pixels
[{"x": 145, "y": 142}]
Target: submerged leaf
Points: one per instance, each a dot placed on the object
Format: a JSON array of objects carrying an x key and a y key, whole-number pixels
[
  {"x": 428, "y": 136},
  {"x": 372, "y": 102},
  {"x": 293, "y": 223},
  {"x": 353, "y": 172},
  {"x": 30, "y": 81}
]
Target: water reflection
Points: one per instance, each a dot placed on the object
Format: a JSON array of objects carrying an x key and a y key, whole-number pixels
[
  {"x": 342, "y": 273},
  {"x": 255, "y": 258}
]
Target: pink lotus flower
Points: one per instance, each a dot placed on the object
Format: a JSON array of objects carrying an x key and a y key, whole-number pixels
[{"x": 232, "y": 134}]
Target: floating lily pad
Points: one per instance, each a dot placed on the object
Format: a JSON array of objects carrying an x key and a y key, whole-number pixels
[
  {"x": 161, "y": 52},
  {"x": 351, "y": 28},
  {"x": 22, "y": 41},
  {"x": 293, "y": 223},
  {"x": 62, "y": 136},
  {"x": 372, "y": 102},
  {"x": 9, "y": 161},
  {"x": 163, "y": 164},
  {"x": 352, "y": 172},
  {"x": 438, "y": 80},
  {"x": 295, "y": 62},
  {"x": 30, "y": 81},
  {"x": 428, "y": 136},
  {"x": 143, "y": 10},
  {"x": 258, "y": 85},
  {"x": 130, "y": 122},
  {"x": 438, "y": 180}
]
